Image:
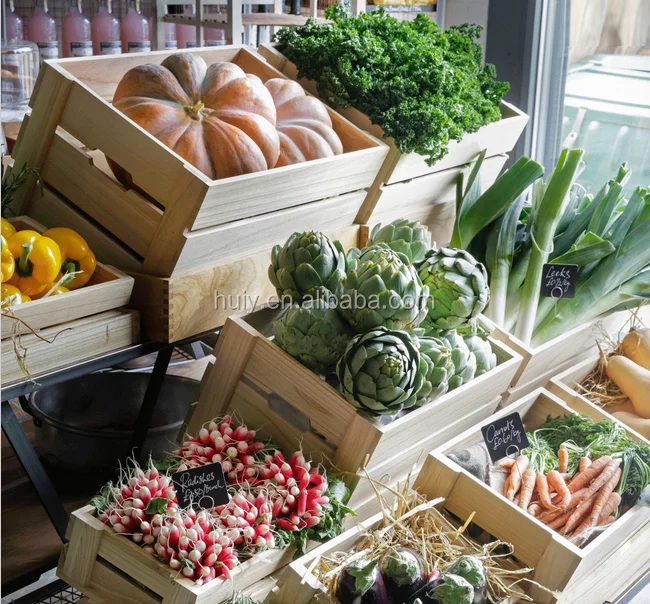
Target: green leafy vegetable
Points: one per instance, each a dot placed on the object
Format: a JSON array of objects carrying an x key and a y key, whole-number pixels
[{"x": 423, "y": 86}]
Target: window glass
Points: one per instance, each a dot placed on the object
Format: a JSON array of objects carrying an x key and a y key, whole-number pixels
[{"x": 607, "y": 94}]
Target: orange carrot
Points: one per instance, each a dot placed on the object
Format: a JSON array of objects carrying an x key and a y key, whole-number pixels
[
  {"x": 534, "y": 509},
  {"x": 578, "y": 514},
  {"x": 516, "y": 475},
  {"x": 603, "y": 478},
  {"x": 563, "y": 461},
  {"x": 613, "y": 501},
  {"x": 507, "y": 462},
  {"x": 527, "y": 487},
  {"x": 585, "y": 462},
  {"x": 549, "y": 515},
  {"x": 599, "y": 504},
  {"x": 544, "y": 497},
  {"x": 606, "y": 521},
  {"x": 565, "y": 476},
  {"x": 585, "y": 477},
  {"x": 557, "y": 481}
]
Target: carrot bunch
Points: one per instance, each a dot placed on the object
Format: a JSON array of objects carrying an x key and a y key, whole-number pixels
[{"x": 571, "y": 505}]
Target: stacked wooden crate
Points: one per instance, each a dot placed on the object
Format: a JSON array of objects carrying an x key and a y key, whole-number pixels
[
  {"x": 184, "y": 236},
  {"x": 46, "y": 334}
]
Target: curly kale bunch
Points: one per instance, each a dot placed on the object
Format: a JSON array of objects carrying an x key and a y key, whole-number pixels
[{"x": 423, "y": 86}]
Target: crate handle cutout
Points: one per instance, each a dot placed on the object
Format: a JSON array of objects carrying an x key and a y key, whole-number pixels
[{"x": 289, "y": 413}]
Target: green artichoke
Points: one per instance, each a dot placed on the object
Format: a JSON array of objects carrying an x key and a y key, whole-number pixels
[
  {"x": 313, "y": 333},
  {"x": 409, "y": 238},
  {"x": 481, "y": 350},
  {"x": 382, "y": 289},
  {"x": 308, "y": 265},
  {"x": 381, "y": 371},
  {"x": 440, "y": 369},
  {"x": 458, "y": 285},
  {"x": 464, "y": 361}
]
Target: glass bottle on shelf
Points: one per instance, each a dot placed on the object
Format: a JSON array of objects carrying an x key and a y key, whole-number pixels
[
  {"x": 41, "y": 29},
  {"x": 186, "y": 34},
  {"x": 105, "y": 29},
  {"x": 75, "y": 31},
  {"x": 14, "y": 24},
  {"x": 135, "y": 30},
  {"x": 211, "y": 35}
]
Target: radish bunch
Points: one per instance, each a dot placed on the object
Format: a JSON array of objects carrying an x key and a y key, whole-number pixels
[
  {"x": 191, "y": 543},
  {"x": 247, "y": 519},
  {"x": 128, "y": 502},
  {"x": 234, "y": 447},
  {"x": 297, "y": 491}
]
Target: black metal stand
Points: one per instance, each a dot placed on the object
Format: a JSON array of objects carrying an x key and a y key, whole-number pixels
[
  {"x": 34, "y": 469},
  {"x": 149, "y": 402}
]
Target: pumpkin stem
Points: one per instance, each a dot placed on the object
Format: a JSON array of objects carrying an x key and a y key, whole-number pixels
[{"x": 194, "y": 111}]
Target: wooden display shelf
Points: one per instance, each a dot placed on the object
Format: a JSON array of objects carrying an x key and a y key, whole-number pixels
[
  {"x": 108, "y": 288},
  {"x": 177, "y": 224},
  {"x": 496, "y": 138},
  {"x": 61, "y": 345},
  {"x": 574, "y": 573},
  {"x": 285, "y": 401},
  {"x": 564, "y": 386},
  {"x": 541, "y": 363},
  {"x": 201, "y": 299}
]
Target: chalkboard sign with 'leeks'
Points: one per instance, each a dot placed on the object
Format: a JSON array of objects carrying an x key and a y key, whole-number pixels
[
  {"x": 559, "y": 281},
  {"x": 203, "y": 487},
  {"x": 505, "y": 437}
]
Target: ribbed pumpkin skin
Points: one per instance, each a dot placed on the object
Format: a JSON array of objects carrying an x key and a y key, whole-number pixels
[
  {"x": 303, "y": 123},
  {"x": 219, "y": 119}
]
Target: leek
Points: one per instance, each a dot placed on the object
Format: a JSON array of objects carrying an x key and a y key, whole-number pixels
[
  {"x": 545, "y": 221},
  {"x": 632, "y": 256},
  {"x": 473, "y": 215},
  {"x": 500, "y": 261}
]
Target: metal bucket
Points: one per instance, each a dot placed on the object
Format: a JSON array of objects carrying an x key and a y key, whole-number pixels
[{"x": 85, "y": 425}]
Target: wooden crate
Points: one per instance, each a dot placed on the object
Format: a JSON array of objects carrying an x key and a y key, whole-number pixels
[
  {"x": 559, "y": 565},
  {"x": 61, "y": 345},
  {"x": 179, "y": 221},
  {"x": 497, "y": 138},
  {"x": 108, "y": 568},
  {"x": 108, "y": 288},
  {"x": 564, "y": 386},
  {"x": 177, "y": 307},
  {"x": 285, "y": 401},
  {"x": 541, "y": 363}
]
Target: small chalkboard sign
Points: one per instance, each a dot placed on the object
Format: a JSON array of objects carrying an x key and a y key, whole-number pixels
[
  {"x": 505, "y": 437},
  {"x": 203, "y": 487},
  {"x": 559, "y": 280}
]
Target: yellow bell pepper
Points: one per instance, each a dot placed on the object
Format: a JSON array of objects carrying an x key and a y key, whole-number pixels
[
  {"x": 8, "y": 229},
  {"x": 8, "y": 264},
  {"x": 57, "y": 292},
  {"x": 76, "y": 256},
  {"x": 38, "y": 261},
  {"x": 12, "y": 295}
]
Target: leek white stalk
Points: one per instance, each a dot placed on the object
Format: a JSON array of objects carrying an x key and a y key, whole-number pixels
[{"x": 545, "y": 221}]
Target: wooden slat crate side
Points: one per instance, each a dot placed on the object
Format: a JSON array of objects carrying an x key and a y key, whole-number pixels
[
  {"x": 411, "y": 458},
  {"x": 52, "y": 89},
  {"x": 417, "y": 424},
  {"x": 333, "y": 216},
  {"x": 50, "y": 208},
  {"x": 108, "y": 288},
  {"x": 131, "y": 218},
  {"x": 66, "y": 344}
]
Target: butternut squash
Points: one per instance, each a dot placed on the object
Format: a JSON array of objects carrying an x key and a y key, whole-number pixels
[
  {"x": 636, "y": 347},
  {"x": 633, "y": 380},
  {"x": 638, "y": 424}
]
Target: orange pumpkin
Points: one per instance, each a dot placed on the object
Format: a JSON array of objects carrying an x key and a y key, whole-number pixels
[
  {"x": 303, "y": 123},
  {"x": 219, "y": 119}
]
